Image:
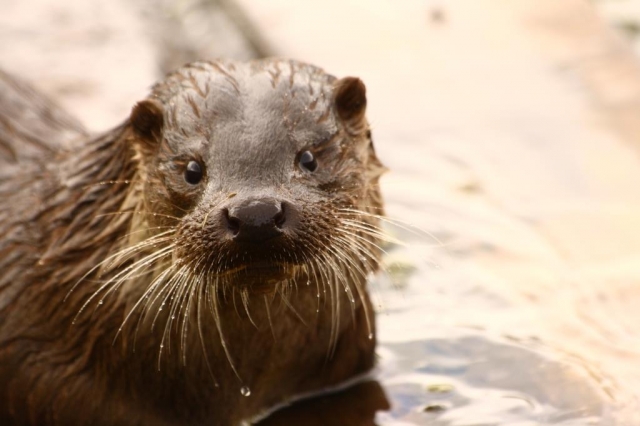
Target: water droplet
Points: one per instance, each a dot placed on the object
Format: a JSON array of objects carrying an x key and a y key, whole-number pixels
[
  {"x": 318, "y": 295},
  {"x": 100, "y": 302},
  {"x": 370, "y": 336},
  {"x": 173, "y": 317},
  {"x": 308, "y": 282},
  {"x": 245, "y": 391},
  {"x": 161, "y": 345}
]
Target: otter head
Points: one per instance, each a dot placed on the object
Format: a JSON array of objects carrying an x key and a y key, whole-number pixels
[{"x": 258, "y": 174}]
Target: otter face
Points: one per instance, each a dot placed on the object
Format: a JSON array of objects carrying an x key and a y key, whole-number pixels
[{"x": 261, "y": 173}]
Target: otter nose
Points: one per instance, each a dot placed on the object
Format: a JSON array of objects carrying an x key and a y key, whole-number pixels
[{"x": 256, "y": 220}]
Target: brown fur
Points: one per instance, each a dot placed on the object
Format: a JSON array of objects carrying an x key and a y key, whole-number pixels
[{"x": 121, "y": 301}]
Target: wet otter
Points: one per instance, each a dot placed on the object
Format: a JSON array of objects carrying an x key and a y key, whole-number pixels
[{"x": 203, "y": 261}]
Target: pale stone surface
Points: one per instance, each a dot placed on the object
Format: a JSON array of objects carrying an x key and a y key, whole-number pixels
[{"x": 97, "y": 58}]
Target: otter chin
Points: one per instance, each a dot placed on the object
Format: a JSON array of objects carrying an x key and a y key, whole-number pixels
[
  {"x": 201, "y": 262},
  {"x": 263, "y": 277}
]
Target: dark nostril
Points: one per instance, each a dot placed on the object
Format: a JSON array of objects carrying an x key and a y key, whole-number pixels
[
  {"x": 280, "y": 218},
  {"x": 233, "y": 224},
  {"x": 255, "y": 220}
]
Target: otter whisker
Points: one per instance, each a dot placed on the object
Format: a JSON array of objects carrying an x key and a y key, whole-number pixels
[
  {"x": 184, "y": 312},
  {"x": 362, "y": 241},
  {"x": 106, "y": 182},
  {"x": 406, "y": 226},
  {"x": 360, "y": 245},
  {"x": 343, "y": 280},
  {"x": 128, "y": 250},
  {"x": 223, "y": 342},
  {"x": 172, "y": 291},
  {"x": 268, "y": 310},
  {"x": 311, "y": 264},
  {"x": 138, "y": 212},
  {"x": 334, "y": 296},
  {"x": 130, "y": 271},
  {"x": 128, "y": 235},
  {"x": 288, "y": 304},
  {"x": 163, "y": 293},
  {"x": 244, "y": 295},
  {"x": 193, "y": 286},
  {"x": 126, "y": 253},
  {"x": 144, "y": 298},
  {"x": 360, "y": 290},
  {"x": 173, "y": 285},
  {"x": 206, "y": 216},
  {"x": 371, "y": 230},
  {"x": 203, "y": 287},
  {"x": 134, "y": 267},
  {"x": 175, "y": 292},
  {"x": 233, "y": 301}
]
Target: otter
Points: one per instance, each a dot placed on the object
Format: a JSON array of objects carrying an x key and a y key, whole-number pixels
[{"x": 198, "y": 264}]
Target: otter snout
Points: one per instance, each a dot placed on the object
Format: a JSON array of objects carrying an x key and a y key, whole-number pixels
[{"x": 255, "y": 220}]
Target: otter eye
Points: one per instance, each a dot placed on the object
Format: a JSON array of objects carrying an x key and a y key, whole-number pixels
[
  {"x": 193, "y": 173},
  {"x": 307, "y": 161}
]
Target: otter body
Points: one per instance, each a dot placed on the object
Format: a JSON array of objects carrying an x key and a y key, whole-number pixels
[{"x": 198, "y": 264}]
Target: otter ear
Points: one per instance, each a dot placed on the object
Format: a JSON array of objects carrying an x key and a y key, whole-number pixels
[
  {"x": 350, "y": 100},
  {"x": 147, "y": 119}
]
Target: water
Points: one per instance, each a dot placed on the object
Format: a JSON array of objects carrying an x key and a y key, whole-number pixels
[{"x": 512, "y": 133}]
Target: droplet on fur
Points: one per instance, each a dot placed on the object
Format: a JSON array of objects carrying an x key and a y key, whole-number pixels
[
  {"x": 245, "y": 391},
  {"x": 308, "y": 282},
  {"x": 100, "y": 302},
  {"x": 370, "y": 336}
]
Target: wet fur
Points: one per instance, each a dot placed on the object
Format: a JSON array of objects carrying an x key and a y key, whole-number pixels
[{"x": 119, "y": 305}]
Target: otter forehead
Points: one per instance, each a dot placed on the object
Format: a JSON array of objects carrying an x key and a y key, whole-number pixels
[{"x": 260, "y": 113}]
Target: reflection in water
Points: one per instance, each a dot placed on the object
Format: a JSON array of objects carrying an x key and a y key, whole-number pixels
[
  {"x": 474, "y": 380},
  {"x": 356, "y": 406},
  {"x": 466, "y": 379}
]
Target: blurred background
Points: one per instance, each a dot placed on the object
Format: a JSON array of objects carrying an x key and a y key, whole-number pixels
[{"x": 512, "y": 132}]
